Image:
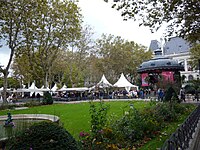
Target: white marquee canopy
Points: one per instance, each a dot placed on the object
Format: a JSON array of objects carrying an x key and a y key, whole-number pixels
[
  {"x": 54, "y": 88},
  {"x": 64, "y": 88},
  {"x": 123, "y": 82},
  {"x": 104, "y": 82}
]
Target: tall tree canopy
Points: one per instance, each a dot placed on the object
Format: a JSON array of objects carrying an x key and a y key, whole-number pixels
[
  {"x": 39, "y": 27},
  {"x": 68, "y": 66},
  {"x": 182, "y": 17},
  {"x": 117, "y": 55}
]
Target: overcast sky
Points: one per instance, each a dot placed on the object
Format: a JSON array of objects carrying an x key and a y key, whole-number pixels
[{"x": 103, "y": 19}]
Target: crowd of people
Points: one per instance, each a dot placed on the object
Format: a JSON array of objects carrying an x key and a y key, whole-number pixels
[{"x": 103, "y": 94}]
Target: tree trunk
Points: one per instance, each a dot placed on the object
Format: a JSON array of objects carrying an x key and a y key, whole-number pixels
[
  {"x": 5, "y": 87},
  {"x": 46, "y": 80}
]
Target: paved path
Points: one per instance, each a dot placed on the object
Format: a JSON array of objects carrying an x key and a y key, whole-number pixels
[{"x": 197, "y": 142}]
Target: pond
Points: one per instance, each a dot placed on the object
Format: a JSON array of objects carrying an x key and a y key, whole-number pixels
[
  {"x": 19, "y": 125},
  {"x": 21, "y": 122}
]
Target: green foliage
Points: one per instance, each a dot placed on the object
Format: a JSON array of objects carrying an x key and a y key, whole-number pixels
[
  {"x": 54, "y": 25},
  {"x": 190, "y": 89},
  {"x": 44, "y": 135},
  {"x": 166, "y": 112},
  {"x": 134, "y": 127},
  {"x": 129, "y": 128},
  {"x": 77, "y": 119},
  {"x": 170, "y": 92},
  {"x": 116, "y": 52},
  {"x": 32, "y": 104},
  {"x": 47, "y": 98},
  {"x": 3, "y": 107},
  {"x": 154, "y": 13},
  {"x": 195, "y": 56},
  {"x": 12, "y": 82},
  {"x": 98, "y": 117},
  {"x": 164, "y": 133},
  {"x": 98, "y": 123}
]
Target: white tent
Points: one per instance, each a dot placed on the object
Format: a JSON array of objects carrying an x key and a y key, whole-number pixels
[
  {"x": 64, "y": 88},
  {"x": 43, "y": 89},
  {"x": 22, "y": 90},
  {"x": 104, "y": 82},
  {"x": 33, "y": 89},
  {"x": 54, "y": 88},
  {"x": 123, "y": 82},
  {"x": 80, "y": 89}
]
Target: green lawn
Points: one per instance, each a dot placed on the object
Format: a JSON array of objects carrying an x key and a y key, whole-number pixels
[
  {"x": 159, "y": 140},
  {"x": 75, "y": 117}
]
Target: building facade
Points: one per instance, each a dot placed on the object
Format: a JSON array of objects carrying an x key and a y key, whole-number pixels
[{"x": 178, "y": 49}]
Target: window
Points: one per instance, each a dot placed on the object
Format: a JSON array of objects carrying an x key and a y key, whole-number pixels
[{"x": 190, "y": 77}]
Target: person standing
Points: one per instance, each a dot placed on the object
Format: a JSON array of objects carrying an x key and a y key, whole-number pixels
[
  {"x": 161, "y": 95},
  {"x": 197, "y": 95},
  {"x": 182, "y": 94}
]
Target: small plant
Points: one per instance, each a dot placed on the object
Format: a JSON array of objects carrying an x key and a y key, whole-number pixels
[
  {"x": 96, "y": 139},
  {"x": 47, "y": 99},
  {"x": 85, "y": 140}
]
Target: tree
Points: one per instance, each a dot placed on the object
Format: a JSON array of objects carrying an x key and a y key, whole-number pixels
[
  {"x": 77, "y": 70},
  {"x": 13, "y": 82},
  {"x": 117, "y": 55},
  {"x": 21, "y": 69},
  {"x": 37, "y": 27},
  {"x": 195, "y": 56},
  {"x": 10, "y": 31},
  {"x": 84, "y": 47},
  {"x": 55, "y": 23},
  {"x": 182, "y": 17}
]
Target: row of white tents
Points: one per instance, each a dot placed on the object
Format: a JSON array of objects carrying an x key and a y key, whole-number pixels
[
  {"x": 121, "y": 83},
  {"x": 103, "y": 83}
]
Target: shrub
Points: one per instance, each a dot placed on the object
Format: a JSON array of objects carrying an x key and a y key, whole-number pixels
[
  {"x": 9, "y": 106},
  {"x": 169, "y": 94},
  {"x": 152, "y": 121},
  {"x": 32, "y": 104},
  {"x": 190, "y": 89},
  {"x": 166, "y": 112},
  {"x": 44, "y": 135},
  {"x": 129, "y": 128},
  {"x": 47, "y": 98}
]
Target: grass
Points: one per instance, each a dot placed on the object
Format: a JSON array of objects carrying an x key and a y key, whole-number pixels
[
  {"x": 75, "y": 117},
  {"x": 159, "y": 140}
]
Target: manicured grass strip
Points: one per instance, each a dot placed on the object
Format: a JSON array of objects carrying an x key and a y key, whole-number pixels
[{"x": 76, "y": 117}]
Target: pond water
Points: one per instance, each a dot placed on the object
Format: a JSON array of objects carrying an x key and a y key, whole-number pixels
[{"x": 19, "y": 125}]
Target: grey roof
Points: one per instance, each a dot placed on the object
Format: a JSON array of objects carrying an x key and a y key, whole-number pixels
[
  {"x": 160, "y": 63},
  {"x": 154, "y": 45},
  {"x": 176, "y": 45}
]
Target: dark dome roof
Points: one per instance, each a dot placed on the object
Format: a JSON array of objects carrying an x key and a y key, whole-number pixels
[{"x": 160, "y": 63}]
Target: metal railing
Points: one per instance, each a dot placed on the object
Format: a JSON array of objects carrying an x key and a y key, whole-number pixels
[{"x": 180, "y": 139}]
